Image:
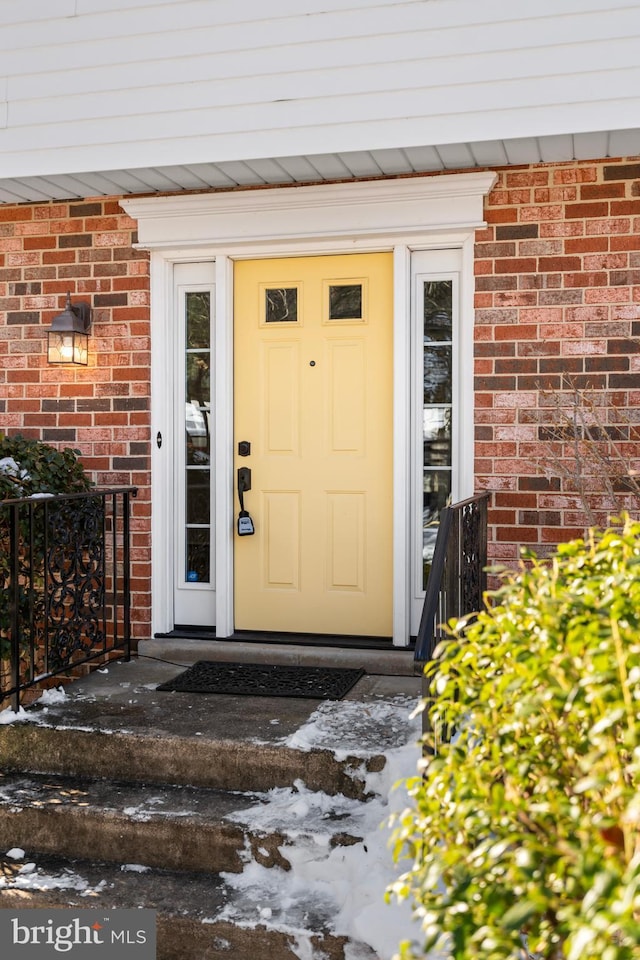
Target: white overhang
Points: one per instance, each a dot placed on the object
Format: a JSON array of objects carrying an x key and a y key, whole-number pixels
[{"x": 317, "y": 168}]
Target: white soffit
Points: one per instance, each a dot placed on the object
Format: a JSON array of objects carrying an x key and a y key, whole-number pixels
[
  {"x": 402, "y": 207},
  {"x": 320, "y": 167}
]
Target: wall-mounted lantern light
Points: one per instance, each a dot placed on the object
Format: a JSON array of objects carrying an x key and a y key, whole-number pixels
[{"x": 68, "y": 338}]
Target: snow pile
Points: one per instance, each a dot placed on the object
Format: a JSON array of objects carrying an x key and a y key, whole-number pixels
[
  {"x": 47, "y": 698},
  {"x": 361, "y": 729},
  {"x": 16, "y": 853},
  {"x": 9, "y": 716},
  {"x": 54, "y": 695},
  {"x": 29, "y": 877},
  {"x": 330, "y": 885}
]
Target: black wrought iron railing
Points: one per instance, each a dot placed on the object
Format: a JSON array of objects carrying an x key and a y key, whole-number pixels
[
  {"x": 65, "y": 574},
  {"x": 457, "y": 578}
]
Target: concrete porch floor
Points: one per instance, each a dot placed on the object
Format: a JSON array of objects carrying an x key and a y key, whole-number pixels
[{"x": 123, "y": 696}]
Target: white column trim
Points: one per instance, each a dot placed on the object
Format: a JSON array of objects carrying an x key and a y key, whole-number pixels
[
  {"x": 225, "y": 488},
  {"x": 401, "y": 444},
  {"x": 466, "y": 452},
  {"x": 161, "y": 283}
]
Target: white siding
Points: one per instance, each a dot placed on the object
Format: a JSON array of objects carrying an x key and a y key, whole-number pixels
[{"x": 107, "y": 85}]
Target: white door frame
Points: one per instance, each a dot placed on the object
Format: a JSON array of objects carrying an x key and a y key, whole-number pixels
[{"x": 403, "y": 215}]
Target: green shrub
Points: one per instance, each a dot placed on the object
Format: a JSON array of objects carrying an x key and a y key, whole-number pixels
[
  {"x": 29, "y": 466},
  {"x": 524, "y": 834}
]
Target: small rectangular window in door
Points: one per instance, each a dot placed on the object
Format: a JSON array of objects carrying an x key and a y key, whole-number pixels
[
  {"x": 345, "y": 301},
  {"x": 280, "y": 304}
]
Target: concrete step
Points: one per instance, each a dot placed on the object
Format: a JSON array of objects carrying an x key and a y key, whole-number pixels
[
  {"x": 248, "y": 823},
  {"x": 199, "y": 917},
  {"x": 171, "y": 827},
  {"x": 116, "y": 724},
  {"x": 389, "y": 661},
  {"x": 200, "y": 762}
]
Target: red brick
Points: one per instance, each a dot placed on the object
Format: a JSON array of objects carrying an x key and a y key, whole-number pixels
[
  {"x": 516, "y": 265},
  {"x": 131, "y": 283},
  {"x": 555, "y": 194},
  {"x": 51, "y": 211},
  {"x": 94, "y": 224},
  {"x": 625, "y": 243},
  {"x": 540, "y": 248},
  {"x": 483, "y": 300},
  {"x": 12, "y": 214},
  {"x": 542, "y": 213},
  {"x": 500, "y": 214},
  {"x": 559, "y": 263},
  {"x": 518, "y": 534},
  {"x": 584, "y": 211},
  {"x": 585, "y": 279},
  {"x": 586, "y": 245},
  {"x": 518, "y": 332},
  {"x": 520, "y": 500},
  {"x": 561, "y": 534},
  {"x": 74, "y": 419},
  {"x": 624, "y": 208},
  {"x": 39, "y": 243},
  {"x": 480, "y": 267},
  {"x": 608, "y": 226},
  {"x": 602, "y": 191},
  {"x": 510, "y": 197},
  {"x": 59, "y": 256},
  {"x": 610, "y": 295},
  {"x": 606, "y": 261},
  {"x": 527, "y": 178},
  {"x": 563, "y": 228},
  {"x": 576, "y": 174}
]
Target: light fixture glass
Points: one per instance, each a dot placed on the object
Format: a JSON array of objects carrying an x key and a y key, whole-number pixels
[{"x": 68, "y": 338}]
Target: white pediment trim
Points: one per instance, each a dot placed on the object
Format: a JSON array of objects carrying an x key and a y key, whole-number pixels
[{"x": 402, "y": 207}]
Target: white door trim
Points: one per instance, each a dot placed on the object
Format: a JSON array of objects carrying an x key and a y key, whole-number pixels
[{"x": 399, "y": 215}]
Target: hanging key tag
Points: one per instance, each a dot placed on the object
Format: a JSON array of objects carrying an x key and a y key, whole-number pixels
[{"x": 245, "y": 524}]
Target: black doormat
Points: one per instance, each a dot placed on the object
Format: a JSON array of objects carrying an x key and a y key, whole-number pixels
[{"x": 265, "y": 680}]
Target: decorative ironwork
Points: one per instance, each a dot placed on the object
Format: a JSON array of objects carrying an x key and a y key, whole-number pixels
[
  {"x": 65, "y": 588},
  {"x": 457, "y": 578},
  {"x": 75, "y": 580}
]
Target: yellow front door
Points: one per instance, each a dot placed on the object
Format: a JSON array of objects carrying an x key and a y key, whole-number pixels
[{"x": 313, "y": 398}]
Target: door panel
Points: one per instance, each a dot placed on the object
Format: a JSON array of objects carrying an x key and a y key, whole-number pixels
[{"x": 313, "y": 395}]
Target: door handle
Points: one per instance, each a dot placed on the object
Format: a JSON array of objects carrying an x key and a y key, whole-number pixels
[
  {"x": 245, "y": 523},
  {"x": 244, "y": 480}
]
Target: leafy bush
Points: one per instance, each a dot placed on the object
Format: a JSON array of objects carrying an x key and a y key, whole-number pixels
[
  {"x": 29, "y": 466},
  {"x": 524, "y": 833}
]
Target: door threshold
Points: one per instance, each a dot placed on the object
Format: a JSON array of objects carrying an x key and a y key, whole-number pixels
[{"x": 298, "y": 639}]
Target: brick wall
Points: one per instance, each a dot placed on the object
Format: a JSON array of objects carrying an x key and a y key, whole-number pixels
[
  {"x": 557, "y": 297},
  {"x": 102, "y": 409},
  {"x": 557, "y": 316}
]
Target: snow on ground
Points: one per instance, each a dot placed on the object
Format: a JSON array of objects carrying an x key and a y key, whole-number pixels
[
  {"x": 331, "y": 885},
  {"x": 376, "y": 724},
  {"x": 47, "y": 698},
  {"x": 29, "y": 877},
  {"x": 339, "y": 887}
]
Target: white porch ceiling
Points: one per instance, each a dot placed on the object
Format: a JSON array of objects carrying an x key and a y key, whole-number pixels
[{"x": 322, "y": 167}]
